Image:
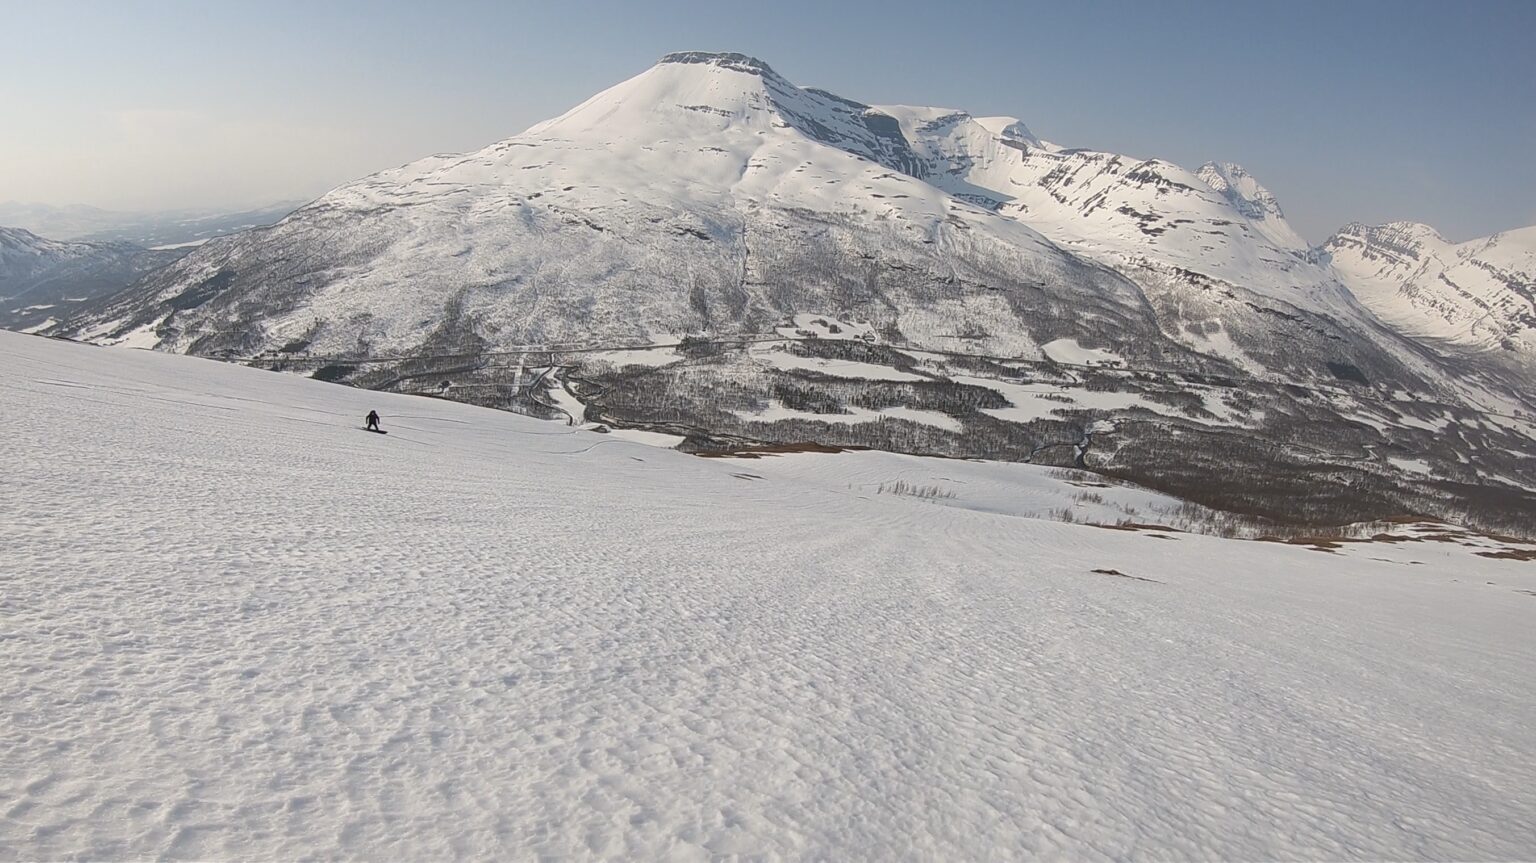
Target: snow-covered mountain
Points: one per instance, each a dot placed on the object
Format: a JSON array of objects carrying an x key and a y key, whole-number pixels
[
  {"x": 709, "y": 194},
  {"x": 706, "y": 194},
  {"x": 1218, "y": 221},
  {"x": 42, "y": 279},
  {"x": 924, "y": 275},
  {"x": 1478, "y": 295}
]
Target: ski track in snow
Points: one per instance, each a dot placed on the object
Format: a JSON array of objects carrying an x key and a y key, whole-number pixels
[{"x": 236, "y": 626}]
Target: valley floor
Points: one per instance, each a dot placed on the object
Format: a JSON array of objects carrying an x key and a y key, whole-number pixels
[{"x": 237, "y": 626}]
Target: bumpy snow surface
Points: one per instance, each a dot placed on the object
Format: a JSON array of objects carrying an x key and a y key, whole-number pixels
[{"x": 238, "y": 626}]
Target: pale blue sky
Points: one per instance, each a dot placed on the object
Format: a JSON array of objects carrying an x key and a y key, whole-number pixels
[{"x": 1348, "y": 110}]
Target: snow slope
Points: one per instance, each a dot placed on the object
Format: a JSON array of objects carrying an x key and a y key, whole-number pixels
[
  {"x": 238, "y": 626},
  {"x": 1004, "y": 488}
]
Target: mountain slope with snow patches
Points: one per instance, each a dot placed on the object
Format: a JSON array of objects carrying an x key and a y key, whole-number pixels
[{"x": 239, "y": 626}]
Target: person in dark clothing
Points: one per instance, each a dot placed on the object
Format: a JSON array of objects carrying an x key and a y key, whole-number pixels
[{"x": 373, "y": 420}]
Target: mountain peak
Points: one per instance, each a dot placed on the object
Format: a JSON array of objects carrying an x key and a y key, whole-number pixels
[
  {"x": 724, "y": 59},
  {"x": 1238, "y": 186},
  {"x": 1391, "y": 234},
  {"x": 1418, "y": 230},
  {"x": 1256, "y": 203},
  {"x": 1009, "y": 129}
]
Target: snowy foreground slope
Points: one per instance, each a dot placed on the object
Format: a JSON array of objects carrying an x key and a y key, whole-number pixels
[{"x": 236, "y": 625}]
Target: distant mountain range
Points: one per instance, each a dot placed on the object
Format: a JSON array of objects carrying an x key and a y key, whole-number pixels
[
  {"x": 54, "y": 259},
  {"x": 911, "y": 278},
  {"x": 147, "y": 229},
  {"x": 43, "y": 281}
]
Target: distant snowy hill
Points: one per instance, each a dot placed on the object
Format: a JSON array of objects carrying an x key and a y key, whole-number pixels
[
  {"x": 238, "y": 627},
  {"x": 908, "y": 278},
  {"x": 44, "y": 280},
  {"x": 1480, "y": 294}
]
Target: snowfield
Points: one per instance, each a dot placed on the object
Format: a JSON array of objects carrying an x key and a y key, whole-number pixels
[{"x": 235, "y": 625}]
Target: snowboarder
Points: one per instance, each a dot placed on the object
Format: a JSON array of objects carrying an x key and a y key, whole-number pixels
[{"x": 373, "y": 420}]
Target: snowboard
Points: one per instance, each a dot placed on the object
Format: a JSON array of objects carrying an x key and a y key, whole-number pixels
[{"x": 375, "y": 431}]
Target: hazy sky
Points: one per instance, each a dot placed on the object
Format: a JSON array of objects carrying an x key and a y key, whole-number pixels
[{"x": 1348, "y": 110}]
